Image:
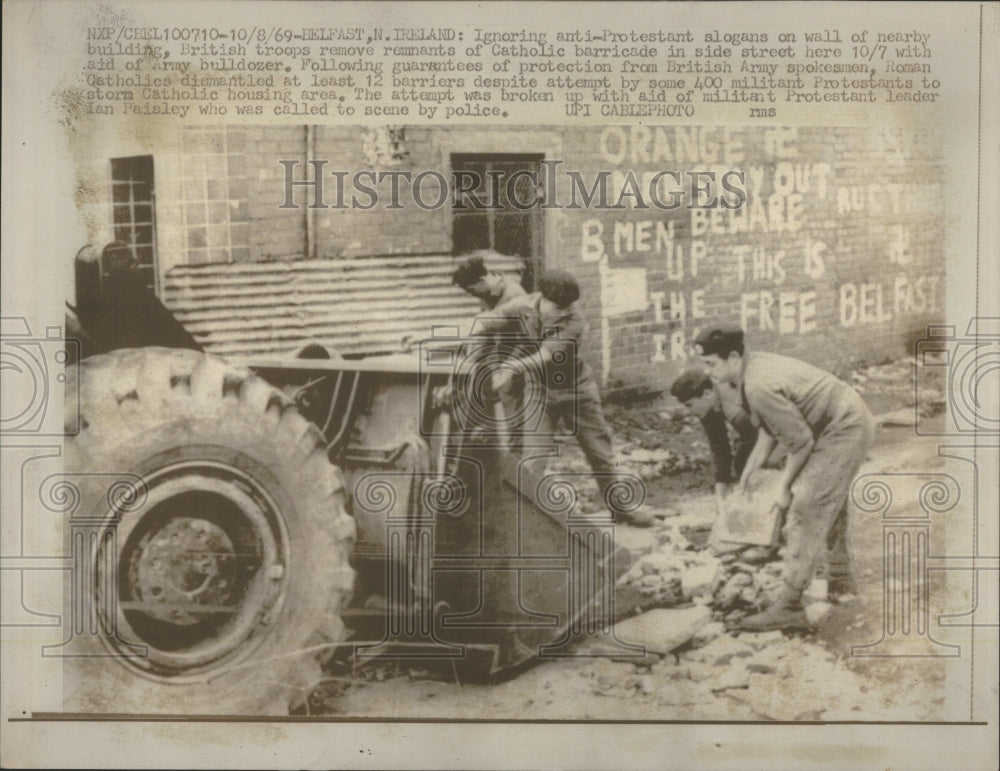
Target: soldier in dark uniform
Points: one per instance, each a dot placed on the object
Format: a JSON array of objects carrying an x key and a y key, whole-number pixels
[
  {"x": 550, "y": 318},
  {"x": 696, "y": 391},
  {"x": 826, "y": 428}
]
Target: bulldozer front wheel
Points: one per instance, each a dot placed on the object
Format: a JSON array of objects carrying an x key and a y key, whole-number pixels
[{"x": 219, "y": 564}]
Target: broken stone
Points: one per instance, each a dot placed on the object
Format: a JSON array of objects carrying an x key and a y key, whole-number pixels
[
  {"x": 731, "y": 592},
  {"x": 634, "y": 539},
  {"x": 733, "y": 617},
  {"x": 760, "y": 640},
  {"x": 722, "y": 650},
  {"x": 751, "y": 518},
  {"x": 699, "y": 579},
  {"x": 609, "y": 674},
  {"x": 749, "y": 595},
  {"x": 724, "y": 548},
  {"x": 680, "y": 543},
  {"x": 634, "y": 574},
  {"x": 670, "y": 594},
  {"x": 740, "y": 579},
  {"x": 735, "y": 676},
  {"x": 817, "y": 612},
  {"x": 901, "y": 417},
  {"x": 662, "y": 630},
  {"x": 708, "y": 633},
  {"x": 771, "y": 655},
  {"x": 650, "y": 456},
  {"x": 659, "y": 562},
  {"x": 644, "y": 662},
  {"x": 756, "y": 555}
]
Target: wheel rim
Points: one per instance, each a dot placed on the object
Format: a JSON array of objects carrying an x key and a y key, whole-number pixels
[{"x": 199, "y": 570}]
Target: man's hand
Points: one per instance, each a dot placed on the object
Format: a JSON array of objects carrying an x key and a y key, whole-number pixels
[
  {"x": 784, "y": 499},
  {"x": 761, "y": 449},
  {"x": 441, "y": 397},
  {"x": 501, "y": 379}
]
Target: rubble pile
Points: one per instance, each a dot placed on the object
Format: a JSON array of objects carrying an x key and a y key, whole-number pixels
[
  {"x": 675, "y": 572},
  {"x": 716, "y": 673},
  {"x": 748, "y": 583},
  {"x": 657, "y": 441}
]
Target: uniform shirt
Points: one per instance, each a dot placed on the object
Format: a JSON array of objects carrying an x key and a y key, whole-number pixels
[
  {"x": 796, "y": 401},
  {"x": 506, "y": 291},
  {"x": 551, "y": 330}
]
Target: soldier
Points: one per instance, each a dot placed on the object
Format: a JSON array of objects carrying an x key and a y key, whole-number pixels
[
  {"x": 550, "y": 318},
  {"x": 490, "y": 288},
  {"x": 826, "y": 429},
  {"x": 696, "y": 391},
  {"x": 493, "y": 289}
]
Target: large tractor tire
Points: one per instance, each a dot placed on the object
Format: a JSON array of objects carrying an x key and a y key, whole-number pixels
[{"x": 217, "y": 561}]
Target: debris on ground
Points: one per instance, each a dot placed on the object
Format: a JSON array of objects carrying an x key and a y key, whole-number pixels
[
  {"x": 663, "y": 630},
  {"x": 682, "y": 601},
  {"x": 916, "y": 384}
]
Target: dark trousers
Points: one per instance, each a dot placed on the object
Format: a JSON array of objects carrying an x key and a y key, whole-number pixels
[{"x": 581, "y": 413}]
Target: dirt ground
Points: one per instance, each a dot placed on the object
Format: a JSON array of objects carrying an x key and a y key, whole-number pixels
[{"x": 717, "y": 674}]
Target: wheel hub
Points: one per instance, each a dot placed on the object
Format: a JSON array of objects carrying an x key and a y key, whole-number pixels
[
  {"x": 184, "y": 570},
  {"x": 199, "y": 570}
]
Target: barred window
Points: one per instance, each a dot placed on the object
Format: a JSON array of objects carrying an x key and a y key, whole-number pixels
[
  {"x": 133, "y": 211},
  {"x": 500, "y": 226}
]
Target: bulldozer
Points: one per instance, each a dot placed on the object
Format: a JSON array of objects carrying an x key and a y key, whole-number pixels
[{"x": 239, "y": 522}]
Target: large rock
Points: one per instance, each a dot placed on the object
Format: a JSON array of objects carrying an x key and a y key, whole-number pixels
[
  {"x": 722, "y": 650},
  {"x": 635, "y": 540},
  {"x": 750, "y": 518},
  {"x": 659, "y": 562},
  {"x": 699, "y": 580},
  {"x": 662, "y": 630},
  {"x": 817, "y": 612}
]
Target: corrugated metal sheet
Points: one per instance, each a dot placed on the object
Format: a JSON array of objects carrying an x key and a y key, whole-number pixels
[{"x": 352, "y": 306}]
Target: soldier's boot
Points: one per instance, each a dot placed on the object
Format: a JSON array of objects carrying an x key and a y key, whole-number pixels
[
  {"x": 842, "y": 583},
  {"x": 784, "y": 613},
  {"x": 840, "y": 574}
]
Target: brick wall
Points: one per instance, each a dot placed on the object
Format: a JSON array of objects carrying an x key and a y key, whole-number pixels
[
  {"x": 841, "y": 243},
  {"x": 836, "y": 257}
]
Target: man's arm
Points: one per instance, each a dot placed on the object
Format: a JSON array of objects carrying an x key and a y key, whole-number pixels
[
  {"x": 784, "y": 420},
  {"x": 793, "y": 465},
  {"x": 761, "y": 449},
  {"x": 745, "y": 441},
  {"x": 502, "y": 318},
  {"x": 714, "y": 424}
]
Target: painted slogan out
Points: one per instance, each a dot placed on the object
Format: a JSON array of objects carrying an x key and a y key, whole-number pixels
[{"x": 823, "y": 238}]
